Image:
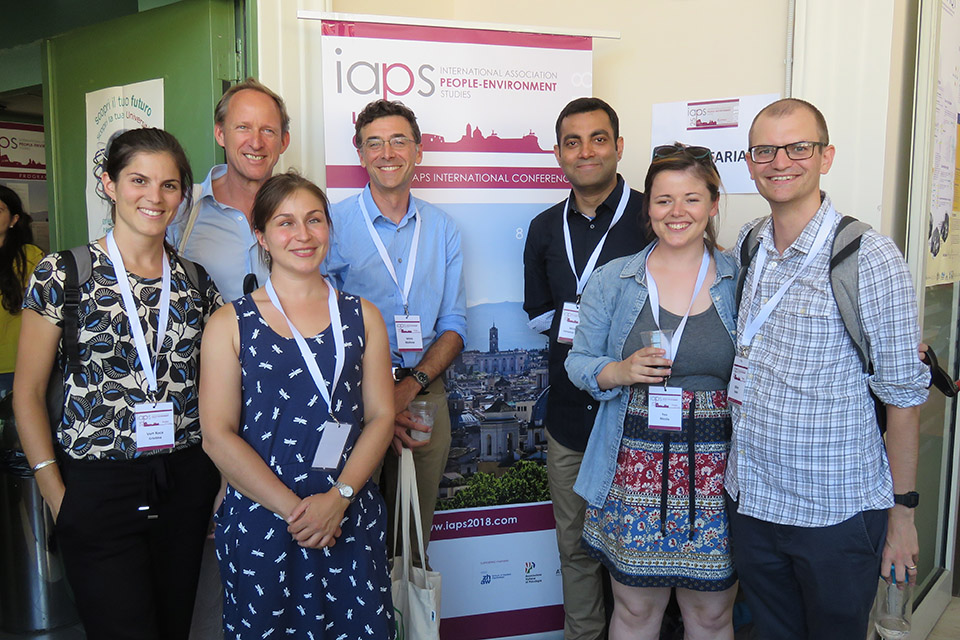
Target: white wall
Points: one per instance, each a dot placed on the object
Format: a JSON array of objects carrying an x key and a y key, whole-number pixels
[{"x": 850, "y": 62}]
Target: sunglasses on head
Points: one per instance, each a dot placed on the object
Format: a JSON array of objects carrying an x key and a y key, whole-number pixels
[{"x": 669, "y": 150}]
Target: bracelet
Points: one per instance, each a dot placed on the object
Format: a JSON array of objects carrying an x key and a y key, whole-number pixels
[{"x": 45, "y": 463}]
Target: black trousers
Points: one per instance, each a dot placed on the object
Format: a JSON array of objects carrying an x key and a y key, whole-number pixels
[
  {"x": 131, "y": 535},
  {"x": 803, "y": 583}
]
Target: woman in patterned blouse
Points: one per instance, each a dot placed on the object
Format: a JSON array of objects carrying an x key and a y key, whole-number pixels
[{"x": 125, "y": 478}]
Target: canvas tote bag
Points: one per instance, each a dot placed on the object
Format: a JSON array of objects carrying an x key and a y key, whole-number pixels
[{"x": 416, "y": 591}]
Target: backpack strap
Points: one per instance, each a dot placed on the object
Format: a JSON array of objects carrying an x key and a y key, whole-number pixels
[
  {"x": 845, "y": 282},
  {"x": 78, "y": 266},
  {"x": 199, "y": 280},
  {"x": 191, "y": 219},
  {"x": 748, "y": 249}
]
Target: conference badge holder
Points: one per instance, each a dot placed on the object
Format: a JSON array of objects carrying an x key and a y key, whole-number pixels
[
  {"x": 569, "y": 319},
  {"x": 153, "y": 425},
  {"x": 409, "y": 333},
  {"x": 333, "y": 441}
]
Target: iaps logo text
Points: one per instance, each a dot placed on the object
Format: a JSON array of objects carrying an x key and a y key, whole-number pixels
[{"x": 382, "y": 78}]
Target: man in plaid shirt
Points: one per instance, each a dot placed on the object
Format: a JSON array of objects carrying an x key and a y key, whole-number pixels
[{"x": 819, "y": 506}]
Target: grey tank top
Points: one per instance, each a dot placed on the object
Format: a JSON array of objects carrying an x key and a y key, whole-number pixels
[{"x": 706, "y": 353}]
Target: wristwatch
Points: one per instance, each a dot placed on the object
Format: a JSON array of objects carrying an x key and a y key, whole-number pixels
[
  {"x": 910, "y": 499},
  {"x": 422, "y": 379},
  {"x": 345, "y": 490}
]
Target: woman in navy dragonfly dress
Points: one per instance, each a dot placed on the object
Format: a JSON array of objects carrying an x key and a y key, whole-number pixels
[{"x": 297, "y": 426}]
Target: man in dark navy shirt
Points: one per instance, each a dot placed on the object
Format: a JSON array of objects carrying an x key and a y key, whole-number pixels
[{"x": 602, "y": 219}]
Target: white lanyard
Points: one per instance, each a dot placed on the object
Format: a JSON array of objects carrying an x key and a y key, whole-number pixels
[
  {"x": 308, "y": 358},
  {"x": 411, "y": 258},
  {"x": 674, "y": 344},
  {"x": 592, "y": 262},
  {"x": 753, "y": 324},
  {"x": 148, "y": 364}
]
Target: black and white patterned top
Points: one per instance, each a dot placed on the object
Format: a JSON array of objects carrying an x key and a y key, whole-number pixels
[{"x": 98, "y": 417}]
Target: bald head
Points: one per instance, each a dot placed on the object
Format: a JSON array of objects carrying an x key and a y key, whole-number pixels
[{"x": 786, "y": 107}]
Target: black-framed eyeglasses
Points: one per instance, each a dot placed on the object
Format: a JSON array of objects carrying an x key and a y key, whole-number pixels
[
  {"x": 398, "y": 143},
  {"x": 764, "y": 153},
  {"x": 668, "y": 150}
]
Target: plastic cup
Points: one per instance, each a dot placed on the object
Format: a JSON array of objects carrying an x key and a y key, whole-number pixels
[
  {"x": 894, "y": 610},
  {"x": 422, "y": 412},
  {"x": 658, "y": 339}
]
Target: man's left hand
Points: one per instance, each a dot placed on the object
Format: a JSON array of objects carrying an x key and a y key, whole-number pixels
[{"x": 901, "y": 551}]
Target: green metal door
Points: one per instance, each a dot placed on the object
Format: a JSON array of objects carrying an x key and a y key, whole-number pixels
[{"x": 191, "y": 45}]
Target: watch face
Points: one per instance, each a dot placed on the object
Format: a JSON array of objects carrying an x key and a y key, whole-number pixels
[
  {"x": 346, "y": 491},
  {"x": 422, "y": 378}
]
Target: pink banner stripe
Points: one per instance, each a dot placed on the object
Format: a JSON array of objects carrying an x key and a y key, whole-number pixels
[
  {"x": 503, "y": 623},
  {"x": 355, "y": 177},
  {"x": 469, "y": 523},
  {"x": 22, "y": 126},
  {"x": 712, "y": 126},
  {"x": 424, "y": 33},
  {"x": 695, "y": 104}
]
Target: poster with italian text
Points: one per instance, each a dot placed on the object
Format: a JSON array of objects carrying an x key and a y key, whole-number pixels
[{"x": 110, "y": 110}]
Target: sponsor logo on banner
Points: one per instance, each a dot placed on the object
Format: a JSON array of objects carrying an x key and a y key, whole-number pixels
[{"x": 530, "y": 576}]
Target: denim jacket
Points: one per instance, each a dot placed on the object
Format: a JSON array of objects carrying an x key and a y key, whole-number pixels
[{"x": 610, "y": 306}]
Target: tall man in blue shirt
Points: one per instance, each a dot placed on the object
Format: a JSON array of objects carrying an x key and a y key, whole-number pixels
[
  {"x": 403, "y": 254},
  {"x": 252, "y": 126},
  {"x": 604, "y": 219},
  {"x": 820, "y": 505}
]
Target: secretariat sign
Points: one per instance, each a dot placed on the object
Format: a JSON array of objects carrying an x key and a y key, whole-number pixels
[{"x": 486, "y": 103}]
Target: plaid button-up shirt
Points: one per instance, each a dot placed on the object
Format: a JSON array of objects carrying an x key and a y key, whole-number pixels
[{"x": 806, "y": 450}]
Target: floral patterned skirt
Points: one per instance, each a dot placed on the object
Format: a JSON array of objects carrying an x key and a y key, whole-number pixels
[{"x": 660, "y": 527}]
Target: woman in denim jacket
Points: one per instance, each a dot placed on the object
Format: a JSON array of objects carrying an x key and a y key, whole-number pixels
[{"x": 653, "y": 524}]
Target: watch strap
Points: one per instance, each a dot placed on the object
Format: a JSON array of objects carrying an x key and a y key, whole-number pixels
[
  {"x": 422, "y": 379},
  {"x": 909, "y": 499}
]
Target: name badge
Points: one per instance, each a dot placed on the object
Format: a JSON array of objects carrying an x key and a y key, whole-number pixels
[
  {"x": 333, "y": 440},
  {"x": 665, "y": 408},
  {"x": 738, "y": 380},
  {"x": 409, "y": 333},
  {"x": 569, "y": 319},
  {"x": 153, "y": 425}
]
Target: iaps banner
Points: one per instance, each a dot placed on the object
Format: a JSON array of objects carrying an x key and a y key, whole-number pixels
[{"x": 487, "y": 103}]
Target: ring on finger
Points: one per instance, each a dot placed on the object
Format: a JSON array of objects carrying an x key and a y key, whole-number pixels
[{"x": 912, "y": 568}]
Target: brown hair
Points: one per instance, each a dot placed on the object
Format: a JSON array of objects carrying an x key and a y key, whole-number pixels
[
  {"x": 13, "y": 254},
  {"x": 382, "y": 109},
  {"x": 220, "y": 113},
  {"x": 123, "y": 146},
  {"x": 272, "y": 194},
  {"x": 702, "y": 168}
]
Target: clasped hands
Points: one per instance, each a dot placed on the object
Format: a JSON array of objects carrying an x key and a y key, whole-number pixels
[{"x": 315, "y": 521}]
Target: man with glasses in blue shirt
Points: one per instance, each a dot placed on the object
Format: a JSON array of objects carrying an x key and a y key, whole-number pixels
[
  {"x": 403, "y": 254},
  {"x": 819, "y": 505}
]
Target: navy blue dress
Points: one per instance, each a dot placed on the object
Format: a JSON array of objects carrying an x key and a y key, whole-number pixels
[{"x": 273, "y": 587}]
